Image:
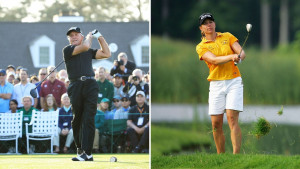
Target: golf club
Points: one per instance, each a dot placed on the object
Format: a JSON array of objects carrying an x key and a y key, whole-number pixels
[
  {"x": 33, "y": 91},
  {"x": 248, "y": 27}
]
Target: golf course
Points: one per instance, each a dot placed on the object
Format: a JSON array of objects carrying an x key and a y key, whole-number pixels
[
  {"x": 130, "y": 161},
  {"x": 190, "y": 144}
]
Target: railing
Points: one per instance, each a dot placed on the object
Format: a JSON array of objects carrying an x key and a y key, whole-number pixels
[{"x": 113, "y": 129}]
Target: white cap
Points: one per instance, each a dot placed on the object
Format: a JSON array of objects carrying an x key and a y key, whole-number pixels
[{"x": 141, "y": 93}]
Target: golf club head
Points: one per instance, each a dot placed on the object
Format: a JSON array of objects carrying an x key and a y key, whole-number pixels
[{"x": 33, "y": 93}]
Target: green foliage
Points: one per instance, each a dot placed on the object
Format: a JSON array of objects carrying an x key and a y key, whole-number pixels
[
  {"x": 261, "y": 127},
  {"x": 269, "y": 77},
  {"x": 166, "y": 140},
  {"x": 225, "y": 161}
]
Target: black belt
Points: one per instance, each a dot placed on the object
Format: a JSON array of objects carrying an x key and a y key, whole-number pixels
[{"x": 83, "y": 78}]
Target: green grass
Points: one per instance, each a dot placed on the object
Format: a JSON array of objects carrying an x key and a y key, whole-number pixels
[
  {"x": 130, "y": 161},
  {"x": 224, "y": 161},
  {"x": 167, "y": 140},
  {"x": 269, "y": 77},
  {"x": 172, "y": 143}
]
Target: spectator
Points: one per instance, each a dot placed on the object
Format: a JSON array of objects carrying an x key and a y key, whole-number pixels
[
  {"x": 18, "y": 70},
  {"x": 41, "y": 76},
  {"x": 52, "y": 86},
  {"x": 27, "y": 113},
  {"x": 116, "y": 106},
  {"x": 123, "y": 66},
  {"x": 10, "y": 68},
  {"x": 16, "y": 81},
  {"x": 13, "y": 104},
  {"x": 118, "y": 85},
  {"x": 122, "y": 113},
  {"x": 23, "y": 89},
  {"x": 62, "y": 75},
  {"x": 6, "y": 91},
  {"x": 138, "y": 124},
  {"x": 50, "y": 103},
  {"x": 99, "y": 125},
  {"x": 144, "y": 85},
  {"x": 64, "y": 124},
  {"x": 106, "y": 88},
  {"x": 131, "y": 88},
  {"x": 109, "y": 77},
  {"x": 67, "y": 83},
  {"x": 10, "y": 77},
  {"x": 146, "y": 78},
  {"x": 34, "y": 80}
]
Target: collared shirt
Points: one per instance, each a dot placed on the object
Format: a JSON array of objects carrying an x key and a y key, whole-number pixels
[
  {"x": 57, "y": 88},
  {"x": 65, "y": 118},
  {"x": 27, "y": 117},
  {"x": 21, "y": 90},
  {"x": 8, "y": 88},
  {"x": 220, "y": 47},
  {"x": 122, "y": 113},
  {"x": 106, "y": 90},
  {"x": 80, "y": 64},
  {"x": 136, "y": 112}
]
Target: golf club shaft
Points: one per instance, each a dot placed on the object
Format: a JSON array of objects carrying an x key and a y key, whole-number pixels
[
  {"x": 235, "y": 63},
  {"x": 49, "y": 74}
]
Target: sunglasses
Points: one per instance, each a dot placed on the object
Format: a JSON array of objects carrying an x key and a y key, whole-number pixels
[
  {"x": 125, "y": 100},
  {"x": 43, "y": 74},
  {"x": 116, "y": 100}
]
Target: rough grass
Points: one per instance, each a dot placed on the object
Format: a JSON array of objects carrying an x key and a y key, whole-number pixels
[
  {"x": 167, "y": 140},
  {"x": 130, "y": 161},
  {"x": 262, "y": 127},
  {"x": 224, "y": 161}
]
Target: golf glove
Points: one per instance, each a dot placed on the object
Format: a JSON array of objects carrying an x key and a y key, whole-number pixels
[{"x": 96, "y": 34}]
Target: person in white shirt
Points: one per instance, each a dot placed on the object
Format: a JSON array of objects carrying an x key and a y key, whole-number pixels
[
  {"x": 23, "y": 89},
  {"x": 122, "y": 113}
]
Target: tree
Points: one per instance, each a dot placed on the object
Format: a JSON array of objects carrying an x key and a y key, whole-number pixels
[
  {"x": 284, "y": 23},
  {"x": 265, "y": 25}
]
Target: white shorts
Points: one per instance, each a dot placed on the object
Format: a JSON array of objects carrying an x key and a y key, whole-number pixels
[{"x": 225, "y": 94}]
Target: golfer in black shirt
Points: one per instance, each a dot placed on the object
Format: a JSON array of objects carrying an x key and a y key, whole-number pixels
[{"x": 83, "y": 89}]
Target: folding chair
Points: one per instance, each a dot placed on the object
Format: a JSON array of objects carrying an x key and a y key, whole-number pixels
[
  {"x": 44, "y": 127},
  {"x": 115, "y": 128},
  {"x": 11, "y": 127}
]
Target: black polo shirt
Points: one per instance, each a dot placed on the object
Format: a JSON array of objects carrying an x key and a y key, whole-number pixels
[
  {"x": 135, "y": 113},
  {"x": 80, "y": 64}
]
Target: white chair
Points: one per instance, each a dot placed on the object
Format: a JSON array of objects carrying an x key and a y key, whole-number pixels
[
  {"x": 44, "y": 127},
  {"x": 11, "y": 127}
]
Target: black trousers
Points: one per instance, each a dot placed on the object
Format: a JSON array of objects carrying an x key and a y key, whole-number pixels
[
  {"x": 138, "y": 140},
  {"x": 83, "y": 96}
]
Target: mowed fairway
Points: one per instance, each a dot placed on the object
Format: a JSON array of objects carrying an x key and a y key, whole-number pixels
[{"x": 129, "y": 161}]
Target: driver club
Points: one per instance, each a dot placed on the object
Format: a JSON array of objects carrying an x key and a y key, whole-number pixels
[
  {"x": 33, "y": 91},
  {"x": 248, "y": 27}
]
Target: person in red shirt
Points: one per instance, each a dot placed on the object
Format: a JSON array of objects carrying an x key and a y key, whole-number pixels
[{"x": 52, "y": 86}]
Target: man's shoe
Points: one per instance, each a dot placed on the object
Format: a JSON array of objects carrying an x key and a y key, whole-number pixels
[
  {"x": 136, "y": 150},
  {"x": 83, "y": 157}
]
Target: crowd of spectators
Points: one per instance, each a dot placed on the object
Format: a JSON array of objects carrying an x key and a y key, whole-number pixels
[{"x": 123, "y": 94}]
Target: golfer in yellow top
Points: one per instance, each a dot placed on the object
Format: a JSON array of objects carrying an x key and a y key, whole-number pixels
[{"x": 220, "y": 51}]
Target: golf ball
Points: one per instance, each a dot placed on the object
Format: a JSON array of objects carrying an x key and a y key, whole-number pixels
[{"x": 113, "y": 159}]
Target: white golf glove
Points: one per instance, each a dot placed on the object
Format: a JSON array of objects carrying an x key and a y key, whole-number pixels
[{"x": 96, "y": 34}]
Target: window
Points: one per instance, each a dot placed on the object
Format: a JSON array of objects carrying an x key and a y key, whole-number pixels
[
  {"x": 145, "y": 54},
  {"x": 44, "y": 55}
]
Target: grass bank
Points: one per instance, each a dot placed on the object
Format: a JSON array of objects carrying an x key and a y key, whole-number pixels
[
  {"x": 224, "y": 161},
  {"x": 269, "y": 77}
]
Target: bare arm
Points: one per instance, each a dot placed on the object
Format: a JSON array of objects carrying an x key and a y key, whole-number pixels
[
  {"x": 237, "y": 49},
  {"x": 6, "y": 96},
  {"x": 216, "y": 60},
  {"x": 104, "y": 52},
  {"x": 87, "y": 43}
]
